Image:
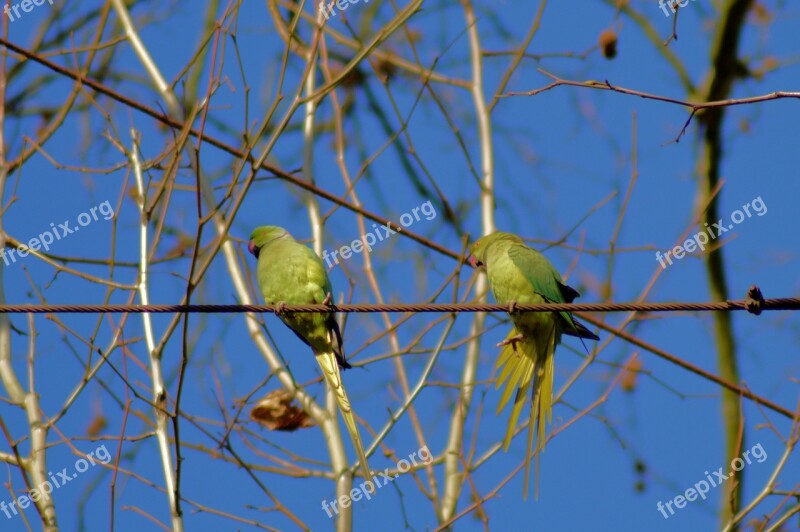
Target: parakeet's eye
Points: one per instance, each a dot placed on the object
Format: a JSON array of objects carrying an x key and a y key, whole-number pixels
[{"x": 252, "y": 248}]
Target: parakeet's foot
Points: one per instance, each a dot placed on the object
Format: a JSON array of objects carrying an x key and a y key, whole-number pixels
[
  {"x": 280, "y": 308},
  {"x": 513, "y": 341},
  {"x": 328, "y": 299}
]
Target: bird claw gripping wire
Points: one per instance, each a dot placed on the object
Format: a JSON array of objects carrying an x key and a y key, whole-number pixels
[{"x": 328, "y": 300}]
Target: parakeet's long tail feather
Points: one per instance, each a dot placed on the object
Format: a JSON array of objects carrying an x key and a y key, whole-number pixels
[
  {"x": 330, "y": 368},
  {"x": 528, "y": 363},
  {"x": 516, "y": 372}
]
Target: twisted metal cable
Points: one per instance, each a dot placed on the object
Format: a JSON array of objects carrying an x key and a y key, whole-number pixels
[{"x": 754, "y": 304}]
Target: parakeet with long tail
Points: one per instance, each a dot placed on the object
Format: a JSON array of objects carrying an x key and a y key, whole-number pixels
[
  {"x": 520, "y": 274},
  {"x": 291, "y": 273}
]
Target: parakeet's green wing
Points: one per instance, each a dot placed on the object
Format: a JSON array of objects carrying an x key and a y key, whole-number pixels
[
  {"x": 546, "y": 281},
  {"x": 297, "y": 275}
]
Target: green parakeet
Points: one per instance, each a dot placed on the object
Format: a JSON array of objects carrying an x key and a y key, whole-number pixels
[
  {"x": 289, "y": 272},
  {"x": 523, "y": 275}
]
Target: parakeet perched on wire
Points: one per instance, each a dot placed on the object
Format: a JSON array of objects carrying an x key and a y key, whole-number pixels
[
  {"x": 291, "y": 273},
  {"x": 523, "y": 275}
]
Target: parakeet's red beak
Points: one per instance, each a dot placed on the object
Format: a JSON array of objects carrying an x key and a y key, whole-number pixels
[
  {"x": 474, "y": 262},
  {"x": 251, "y": 247}
]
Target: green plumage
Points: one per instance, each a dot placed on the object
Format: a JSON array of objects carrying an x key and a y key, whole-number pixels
[
  {"x": 291, "y": 273},
  {"x": 520, "y": 274}
]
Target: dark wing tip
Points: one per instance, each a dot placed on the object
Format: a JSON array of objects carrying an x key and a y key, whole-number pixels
[
  {"x": 568, "y": 292},
  {"x": 337, "y": 344},
  {"x": 583, "y": 332},
  {"x": 343, "y": 364}
]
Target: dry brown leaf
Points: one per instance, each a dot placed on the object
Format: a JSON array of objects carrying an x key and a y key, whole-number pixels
[{"x": 276, "y": 412}]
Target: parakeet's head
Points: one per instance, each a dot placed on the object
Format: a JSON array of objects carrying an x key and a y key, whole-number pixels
[
  {"x": 481, "y": 246},
  {"x": 263, "y": 235},
  {"x": 478, "y": 252}
]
